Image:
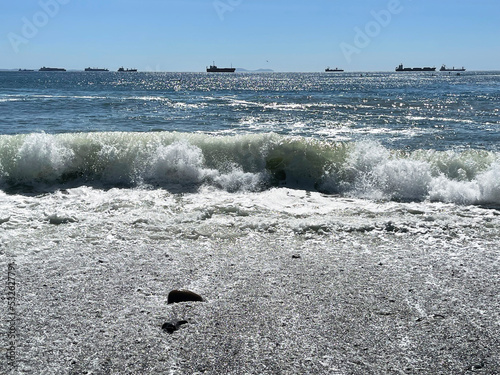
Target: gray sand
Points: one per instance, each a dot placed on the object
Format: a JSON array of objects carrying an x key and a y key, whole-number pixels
[{"x": 398, "y": 306}]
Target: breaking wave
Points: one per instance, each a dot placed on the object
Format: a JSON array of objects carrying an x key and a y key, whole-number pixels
[{"x": 254, "y": 162}]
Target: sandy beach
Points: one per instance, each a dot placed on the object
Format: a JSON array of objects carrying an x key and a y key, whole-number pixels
[{"x": 307, "y": 305}]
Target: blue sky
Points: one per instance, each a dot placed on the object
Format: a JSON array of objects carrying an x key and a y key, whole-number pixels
[{"x": 284, "y": 35}]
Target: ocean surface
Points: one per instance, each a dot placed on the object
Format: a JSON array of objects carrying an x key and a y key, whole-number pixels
[
  {"x": 275, "y": 148},
  {"x": 235, "y": 153},
  {"x": 384, "y": 136},
  {"x": 262, "y": 151},
  {"x": 102, "y": 162}
]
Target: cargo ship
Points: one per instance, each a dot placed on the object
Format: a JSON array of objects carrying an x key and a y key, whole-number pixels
[
  {"x": 401, "y": 68},
  {"x": 45, "y": 69},
  {"x": 445, "y": 69},
  {"x": 333, "y": 70},
  {"x": 122, "y": 69},
  {"x": 214, "y": 69},
  {"x": 96, "y": 69}
]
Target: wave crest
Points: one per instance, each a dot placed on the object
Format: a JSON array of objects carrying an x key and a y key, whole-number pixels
[
  {"x": 37, "y": 157},
  {"x": 248, "y": 163}
]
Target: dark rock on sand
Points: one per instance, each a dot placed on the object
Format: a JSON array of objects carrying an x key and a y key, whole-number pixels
[
  {"x": 183, "y": 296},
  {"x": 173, "y": 325}
]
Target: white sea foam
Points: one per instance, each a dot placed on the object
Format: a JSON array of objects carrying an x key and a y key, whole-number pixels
[
  {"x": 129, "y": 217},
  {"x": 446, "y": 190},
  {"x": 40, "y": 157},
  {"x": 179, "y": 163},
  {"x": 11, "y": 99},
  {"x": 237, "y": 180},
  {"x": 489, "y": 184},
  {"x": 371, "y": 171}
]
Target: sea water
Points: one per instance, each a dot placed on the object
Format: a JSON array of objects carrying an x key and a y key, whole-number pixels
[
  {"x": 97, "y": 162},
  {"x": 282, "y": 151}
]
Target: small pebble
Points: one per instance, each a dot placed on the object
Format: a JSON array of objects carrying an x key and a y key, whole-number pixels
[{"x": 173, "y": 325}]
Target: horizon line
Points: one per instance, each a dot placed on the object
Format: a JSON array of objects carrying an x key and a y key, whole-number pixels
[{"x": 242, "y": 70}]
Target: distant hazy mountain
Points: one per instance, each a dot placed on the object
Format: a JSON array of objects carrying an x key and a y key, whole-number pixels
[{"x": 254, "y": 71}]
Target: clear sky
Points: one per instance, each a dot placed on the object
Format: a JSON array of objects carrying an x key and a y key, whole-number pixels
[{"x": 283, "y": 35}]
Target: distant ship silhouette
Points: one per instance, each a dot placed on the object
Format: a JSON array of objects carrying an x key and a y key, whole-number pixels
[
  {"x": 96, "y": 70},
  {"x": 445, "y": 69},
  {"x": 333, "y": 70},
  {"x": 214, "y": 69},
  {"x": 122, "y": 69},
  {"x": 401, "y": 68},
  {"x": 45, "y": 69}
]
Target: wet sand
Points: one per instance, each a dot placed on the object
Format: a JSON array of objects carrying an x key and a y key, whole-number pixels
[{"x": 308, "y": 305}]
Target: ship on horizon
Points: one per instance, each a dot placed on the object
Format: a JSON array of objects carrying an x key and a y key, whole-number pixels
[
  {"x": 445, "y": 69},
  {"x": 122, "y": 69},
  {"x": 214, "y": 69},
  {"x": 46, "y": 69},
  {"x": 89, "y": 69},
  {"x": 401, "y": 68},
  {"x": 333, "y": 70}
]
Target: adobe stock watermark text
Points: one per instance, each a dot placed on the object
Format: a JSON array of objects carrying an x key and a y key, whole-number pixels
[
  {"x": 224, "y": 6},
  {"x": 11, "y": 316},
  {"x": 30, "y": 26},
  {"x": 372, "y": 29}
]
